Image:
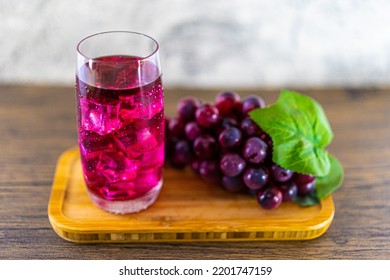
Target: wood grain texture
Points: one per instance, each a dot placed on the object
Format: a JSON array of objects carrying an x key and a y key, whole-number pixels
[{"x": 38, "y": 123}]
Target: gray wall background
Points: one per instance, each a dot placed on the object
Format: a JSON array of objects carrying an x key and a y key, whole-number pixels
[{"x": 219, "y": 43}]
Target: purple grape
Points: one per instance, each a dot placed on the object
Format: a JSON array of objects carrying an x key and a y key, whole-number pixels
[
  {"x": 169, "y": 147},
  {"x": 166, "y": 123},
  {"x": 230, "y": 138},
  {"x": 195, "y": 166},
  {"x": 250, "y": 103},
  {"x": 187, "y": 107},
  {"x": 270, "y": 198},
  {"x": 255, "y": 178},
  {"x": 209, "y": 171},
  {"x": 266, "y": 138},
  {"x": 205, "y": 147},
  {"x": 226, "y": 122},
  {"x": 289, "y": 191},
  {"x": 226, "y": 102},
  {"x": 207, "y": 116},
  {"x": 201, "y": 134},
  {"x": 254, "y": 150},
  {"x": 280, "y": 174},
  {"x": 170, "y": 144},
  {"x": 306, "y": 188},
  {"x": 303, "y": 178},
  {"x": 192, "y": 131},
  {"x": 183, "y": 153},
  {"x": 176, "y": 165},
  {"x": 252, "y": 192},
  {"x": 250, "y": 128},
  {"x": 175, "y": 128},
  {"x": 233, "y": 184},
  {"x": 232, "y": 164}
]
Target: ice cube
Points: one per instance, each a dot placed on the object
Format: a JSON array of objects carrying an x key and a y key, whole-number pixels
[
  {"x": 147, "y": 179},
  {"x": 92, "y": 144},
  {"x": 154, "y": 158},
  {"x": 151, "y": 103},
  {"x": 121, "y": 190},
  {"x": 128, "y": 100},
  {"x": 128, "y": 110},
  {"x": 157, "y": 99},
  {"x": 145, "y": 141},
  {"x": 115, "y": 166},
  {"x": 135, "y": 143},
  {"x": 99, "y": 118},
  {"x": 144, "y": 105},
  {"x": 125, "y": 137},
  {"x": 157, "y": 125},
  {"x": 89, "y": 164},
  {"x": 92, "y": 177}
]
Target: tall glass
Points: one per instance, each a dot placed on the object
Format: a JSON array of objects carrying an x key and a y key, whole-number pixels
[{"x": 120, "y": 119}]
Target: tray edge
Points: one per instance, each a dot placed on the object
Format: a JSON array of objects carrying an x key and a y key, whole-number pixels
[{"x": 61, "y": 224}]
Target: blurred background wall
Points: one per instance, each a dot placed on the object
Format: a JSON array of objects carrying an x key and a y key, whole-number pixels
[{"x": 219, "y": 43}]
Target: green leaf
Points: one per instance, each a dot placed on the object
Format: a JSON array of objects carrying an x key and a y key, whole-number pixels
[
  {"x": 307, "y": 200},
  {"x": 300, "y": 132},
  {"x": 324, "y": 185},
  {"x": 331, "y": 182}
]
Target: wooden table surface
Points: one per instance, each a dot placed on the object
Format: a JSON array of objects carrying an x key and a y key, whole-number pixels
[{"x": 37, "y": 124}]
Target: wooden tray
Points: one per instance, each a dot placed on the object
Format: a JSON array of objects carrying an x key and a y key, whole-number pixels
[{"x": 187, "y": 209}]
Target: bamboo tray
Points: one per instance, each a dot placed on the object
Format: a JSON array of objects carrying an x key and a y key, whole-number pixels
[{"x": 187, "y": 209}]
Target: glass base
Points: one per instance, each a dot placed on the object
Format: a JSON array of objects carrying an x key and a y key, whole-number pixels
[{"x": 128, "y": 206}]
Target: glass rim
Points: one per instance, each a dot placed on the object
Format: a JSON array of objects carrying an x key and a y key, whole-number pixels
[{"x": 117, "y": 32}]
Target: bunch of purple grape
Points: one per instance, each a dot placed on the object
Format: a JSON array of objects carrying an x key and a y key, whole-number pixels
[{"x": 223, "y": 145}]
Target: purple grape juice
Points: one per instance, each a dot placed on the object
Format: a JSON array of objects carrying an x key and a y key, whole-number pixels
[{"x": 120, "y": 120}]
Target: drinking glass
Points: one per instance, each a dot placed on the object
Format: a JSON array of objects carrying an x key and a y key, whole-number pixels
[{"x": 120, "y": 119}]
